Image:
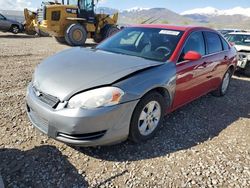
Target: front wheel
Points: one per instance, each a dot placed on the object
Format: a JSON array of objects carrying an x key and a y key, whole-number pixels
[
  {"x": 147, "y": 117},
  {"x": 76, "y": 35},
  {"x": 60, "y": 40},
  {"x": 222, "y": 90}
]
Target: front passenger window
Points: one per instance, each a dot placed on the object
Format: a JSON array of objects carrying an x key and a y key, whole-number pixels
[{"x": 194, "y": 43}]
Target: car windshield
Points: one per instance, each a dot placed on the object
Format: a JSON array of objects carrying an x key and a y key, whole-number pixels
[
  {"x": 239, "y": 39},
  {"x": 149, "y": 43}
]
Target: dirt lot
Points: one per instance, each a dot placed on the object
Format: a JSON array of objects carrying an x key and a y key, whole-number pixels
[{"x": 204, "y": 144}]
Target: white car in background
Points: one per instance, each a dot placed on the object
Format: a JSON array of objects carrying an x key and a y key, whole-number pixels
[{"x": 241, "y": 42}]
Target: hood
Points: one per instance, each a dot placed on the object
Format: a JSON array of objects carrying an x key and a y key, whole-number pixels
[
  {"x": 79, "y": 69},
  {"x": 242, "y": 47}
]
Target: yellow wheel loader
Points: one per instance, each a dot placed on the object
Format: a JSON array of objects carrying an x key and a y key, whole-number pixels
[
  {"x": 31, "y": 24},
  {"x": 74, "y": 21}
]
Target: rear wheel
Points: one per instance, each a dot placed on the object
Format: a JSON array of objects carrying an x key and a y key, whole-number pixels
[
  {"x": 222, "y": 90},
  {"x": 109, "y": 30},
  {"x": 15, "y": 29},
  {"x": 147, "y": 117},
  {"x": 106, "y": 32},
  {"x": 76, "y": 35}
]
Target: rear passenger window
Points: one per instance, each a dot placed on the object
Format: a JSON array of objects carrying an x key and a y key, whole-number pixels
[
  {"x": 225, "y": 44},
  {"x": 213, "y": 42}
]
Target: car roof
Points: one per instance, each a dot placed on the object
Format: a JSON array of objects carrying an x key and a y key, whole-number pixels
[
  {"x": 171, "y": 27},
  {"x": 239, "y": 33}
]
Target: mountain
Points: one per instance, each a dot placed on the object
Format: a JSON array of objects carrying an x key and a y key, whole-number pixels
[
  {"x": 158, "y": 15},
  {"x": 210, "y": 11},
  {"x": 237, "y": 17},
  {"x": 231, "y": 18},
  {"x": 106, "y": 10}
]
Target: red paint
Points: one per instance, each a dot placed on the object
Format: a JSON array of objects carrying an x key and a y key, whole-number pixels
[
  {"x": 192, "y": 56},
  {"x": 199, "y": 75}
]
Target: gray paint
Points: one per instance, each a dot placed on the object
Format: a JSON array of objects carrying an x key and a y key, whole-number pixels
[
  {"x": 163, "y": 76},
  {"x": 79, "y": 69},
  {"x": 115, "y": 119},
  {"x": 5, "y": 24}
]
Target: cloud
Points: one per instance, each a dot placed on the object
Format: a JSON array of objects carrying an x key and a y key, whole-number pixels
[{"x": 14, "y": 4}]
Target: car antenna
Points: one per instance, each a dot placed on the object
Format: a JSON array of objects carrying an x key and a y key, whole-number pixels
[
  {"x": 145, "y": 21},
  {"x": 154, "y": 20}
]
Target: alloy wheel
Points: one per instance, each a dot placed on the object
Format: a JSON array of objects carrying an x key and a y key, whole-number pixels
[{"x": 149, "y": 118}]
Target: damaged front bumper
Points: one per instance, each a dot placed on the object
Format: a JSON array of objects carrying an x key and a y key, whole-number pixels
[{"x": 243, "y": 59}]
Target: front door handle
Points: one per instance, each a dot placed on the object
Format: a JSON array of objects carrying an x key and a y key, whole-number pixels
[
  {"x": 226, "y": 58},
  {"x": 202, "y": 66}
]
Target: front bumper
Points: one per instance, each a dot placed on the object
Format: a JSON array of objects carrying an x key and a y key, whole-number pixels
[
  {"x": 81, "y": 127},
  {"x": 243, "y": 59}
]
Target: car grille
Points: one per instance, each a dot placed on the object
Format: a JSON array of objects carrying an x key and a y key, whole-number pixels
[
  {"x": 41, "y": 123},
  {"x": 88, "y": 136},
  {"x": 47, "y": 99}
]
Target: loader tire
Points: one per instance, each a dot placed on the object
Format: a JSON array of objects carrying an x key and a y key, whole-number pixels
[
  {"x": 76, "y": 35},
  {"x": 61, "y": 40},
  {"x": 109, "y": 30},
  {"x": 42, "y": 33}
]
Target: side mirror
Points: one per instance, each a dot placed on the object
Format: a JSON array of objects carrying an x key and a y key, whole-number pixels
[
  {"x": 247, "y": 41},
  {"x": 192, "y": 56}
]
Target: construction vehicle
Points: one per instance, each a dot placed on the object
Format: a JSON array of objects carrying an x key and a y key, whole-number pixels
[
  {"x": 31, "y": 24},
  {"x": 74, "y": 21}
]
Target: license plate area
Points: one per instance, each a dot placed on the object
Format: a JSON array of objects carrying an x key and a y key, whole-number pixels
[{"x": 39, "y": 122}]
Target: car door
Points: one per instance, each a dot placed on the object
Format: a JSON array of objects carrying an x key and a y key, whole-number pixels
[
  {"x": 218, "y": 57},
  {"x": 192, "y": 77},
  {"x": 3, "y": 23}
]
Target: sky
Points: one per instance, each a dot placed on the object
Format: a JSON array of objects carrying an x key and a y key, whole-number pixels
[{"x": 175, "y": 5}]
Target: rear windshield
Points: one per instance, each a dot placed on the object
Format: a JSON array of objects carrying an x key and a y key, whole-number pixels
[{"x": 148, "y": 43}]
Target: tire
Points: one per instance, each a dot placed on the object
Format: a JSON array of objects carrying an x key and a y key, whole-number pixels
[
  {"x": 222, "y": 90},
  {"x": 61, "y": 40},
  {"x": 109, "y": 30},
  {"x": 98, "y": 39},
  {"x": 42, "y": 33},
  {"x": 140, "y": 133},
  {"x": 15, "y": 29},
  {"x": 247, "y": 69},
  {"x": 76, "y": 35}
]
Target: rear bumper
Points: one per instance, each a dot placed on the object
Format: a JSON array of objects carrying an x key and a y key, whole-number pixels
[{"x": 81, "y": 127}]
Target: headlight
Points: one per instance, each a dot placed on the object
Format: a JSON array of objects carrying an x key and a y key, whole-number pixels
[{"x": 106, "y": 96}]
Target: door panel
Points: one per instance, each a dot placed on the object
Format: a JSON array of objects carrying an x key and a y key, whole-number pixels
[
  {"x": 192, "y": 76},
  {"x": 217, "y": 67},
  {"x": 4, "y": 25},
  {"x": 192, "y": 81},
  {"x": 218, "y": 58}
]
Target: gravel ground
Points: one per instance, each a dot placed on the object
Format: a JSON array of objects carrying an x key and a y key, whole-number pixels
[{"x": 204, "y": 144}]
